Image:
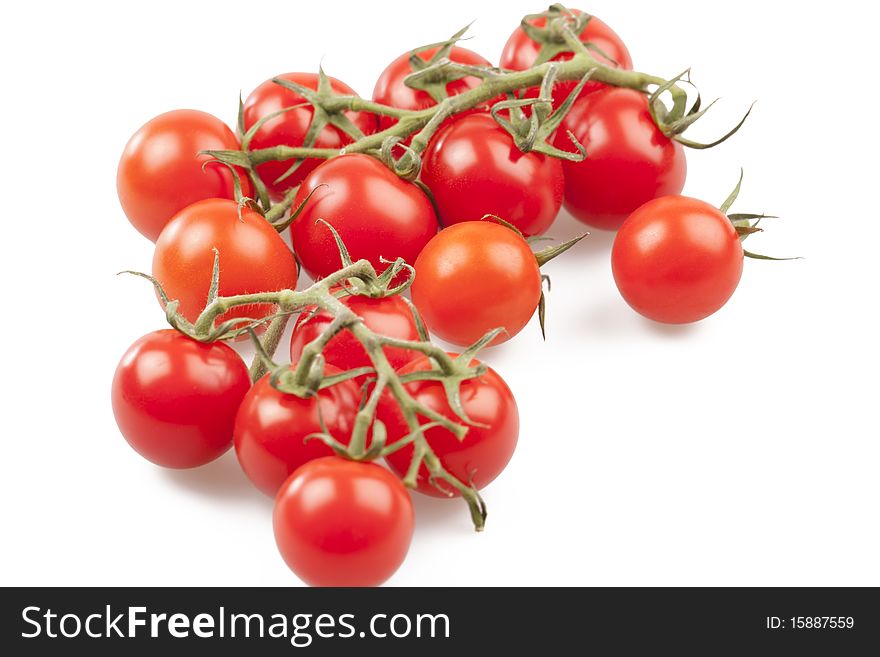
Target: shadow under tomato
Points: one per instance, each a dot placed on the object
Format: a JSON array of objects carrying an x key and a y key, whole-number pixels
[
  {"x": 674, "y": 331},
  {"x": 222, "y": 480},
  {"x": 596, "y": 244},
  {"x": 614, "y": 319}
]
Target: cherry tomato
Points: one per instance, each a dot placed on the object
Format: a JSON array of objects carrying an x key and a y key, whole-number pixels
[
  {"x": 290, "y": 128},
  {"x": 271, "y": 429},
  {"x": 488, "y": 445},
  {"x": 391, "y": 90},
  {"x": 253, "y": 257},
  {"x": 677, "y": 260},
  {"x": 175, "y": 399},
  {"x": 629, "y": 160},
  {"x": 521, "y": 51},
  {"x": 343, "y": 523},
  {"x": 389, "y": 316},
  {"x": 473, "y": 277},
  {"x": 376, "y": 213},
  {"x": 473, "y": 168},
  {"x": 160, "y": 171}
]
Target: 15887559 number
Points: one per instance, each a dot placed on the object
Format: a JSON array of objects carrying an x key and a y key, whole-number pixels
[{"x": 822, "y": 622}]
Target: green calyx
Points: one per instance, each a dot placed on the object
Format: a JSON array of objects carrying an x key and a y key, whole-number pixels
[
  {"x": 560, "y": 33},
  {"x": 551, "y": 35},
  {"x": 542, "y": 257},
  {"x": 746, "y": 224},
  {"x": 536, "y": 131},
  {"x": 327, "y": 110},
  {"x": 673, "y": 122},
  {"x": 432, "y": 75},
  {"x": 308, "y": 376}
]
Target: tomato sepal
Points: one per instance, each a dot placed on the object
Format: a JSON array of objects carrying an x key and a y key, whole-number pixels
[{"x": 536, "y": 131}]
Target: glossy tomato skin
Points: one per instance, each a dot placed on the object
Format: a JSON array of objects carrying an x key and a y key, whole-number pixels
[
  {"x": 521, "y": 51},
  {"x": 377, "y": 214},
  {"x": 485, "y": 450},
  {"x": 391, "y": 90},
  {"x": 677, "y": 260},
  {"x": 253, "y": 257},
  {"x": 290, "y": 128},
  {"x": 473, "y": 168},
  {"x": 343, "y": 523},
  {"x": 473, "y": 277},
  {"x": 271, "y": 429},
  {"x": 629, "y": 160},
  {"x": 389, "y": 316},
  {"x": 175, "y": 399},
  {"x": 160, "y": 171}
]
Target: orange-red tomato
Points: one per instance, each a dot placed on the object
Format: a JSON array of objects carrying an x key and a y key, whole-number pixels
[
  {"x": 677, "y": 260},
  {"x": 474, "y": 277},
  {"x": 161, "y": 172},
  {"x": 253, "y": 258}
]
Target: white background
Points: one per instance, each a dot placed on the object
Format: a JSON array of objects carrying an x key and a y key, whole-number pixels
[{"x": 742, "y": 450}]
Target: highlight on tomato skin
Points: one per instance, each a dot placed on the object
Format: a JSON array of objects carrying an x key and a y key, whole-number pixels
[
  {"x": 290, "y": 127},
  {"x": 677, "y": 260},
  {"x": 473, "y": 277},
  {"x": 161, "y": 172},
  {"x": 253, "y": 258},
  {"x": 343, "y": 523},
  {"x": 272, "y": 428},
  {"x": 174, "y": 398},
  {"x": 486, "y": 448}
]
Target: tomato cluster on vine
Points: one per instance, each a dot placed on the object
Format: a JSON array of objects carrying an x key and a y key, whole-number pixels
[{"x": 438, "y": 186}]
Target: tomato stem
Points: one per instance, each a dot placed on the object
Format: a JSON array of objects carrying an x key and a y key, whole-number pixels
[
  {"x": 307, "y": 377},
  {"x": 560, "y": 35}
]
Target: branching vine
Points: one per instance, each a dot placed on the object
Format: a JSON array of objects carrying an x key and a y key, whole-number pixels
[{"x": 530, "y": 121}]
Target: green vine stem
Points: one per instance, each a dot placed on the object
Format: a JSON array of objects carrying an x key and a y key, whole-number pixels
[
  {"x": 307, "y": 376},
  {"x": 420, "y": 125}
]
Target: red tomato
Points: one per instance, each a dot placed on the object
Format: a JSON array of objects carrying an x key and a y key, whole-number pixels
[
  {"x": 391, "y": 90},
  {"x": 271, "y": 428},
  {"x": 473, "y": 277},
  {"x": 290, "y": 128},
  {"x": 473, "y": 168},
  {"x": 253, "y": 257},
  {"x": 343, "y": 523},
  {"x": 175, "y": 399},
  {"x": 520, "y": 53},
  {"x": 389, "y": 316},
  {"x": 677, "y": 260},
  {"x": 629, "y": 160},
  {"x": 160, "y": 171},
  {"x": 377, "y": 214},
  {"x": 485, "y": 450}
]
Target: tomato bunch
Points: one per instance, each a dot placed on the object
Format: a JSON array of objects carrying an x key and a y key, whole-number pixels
[{"x": 437, "y": 186}]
